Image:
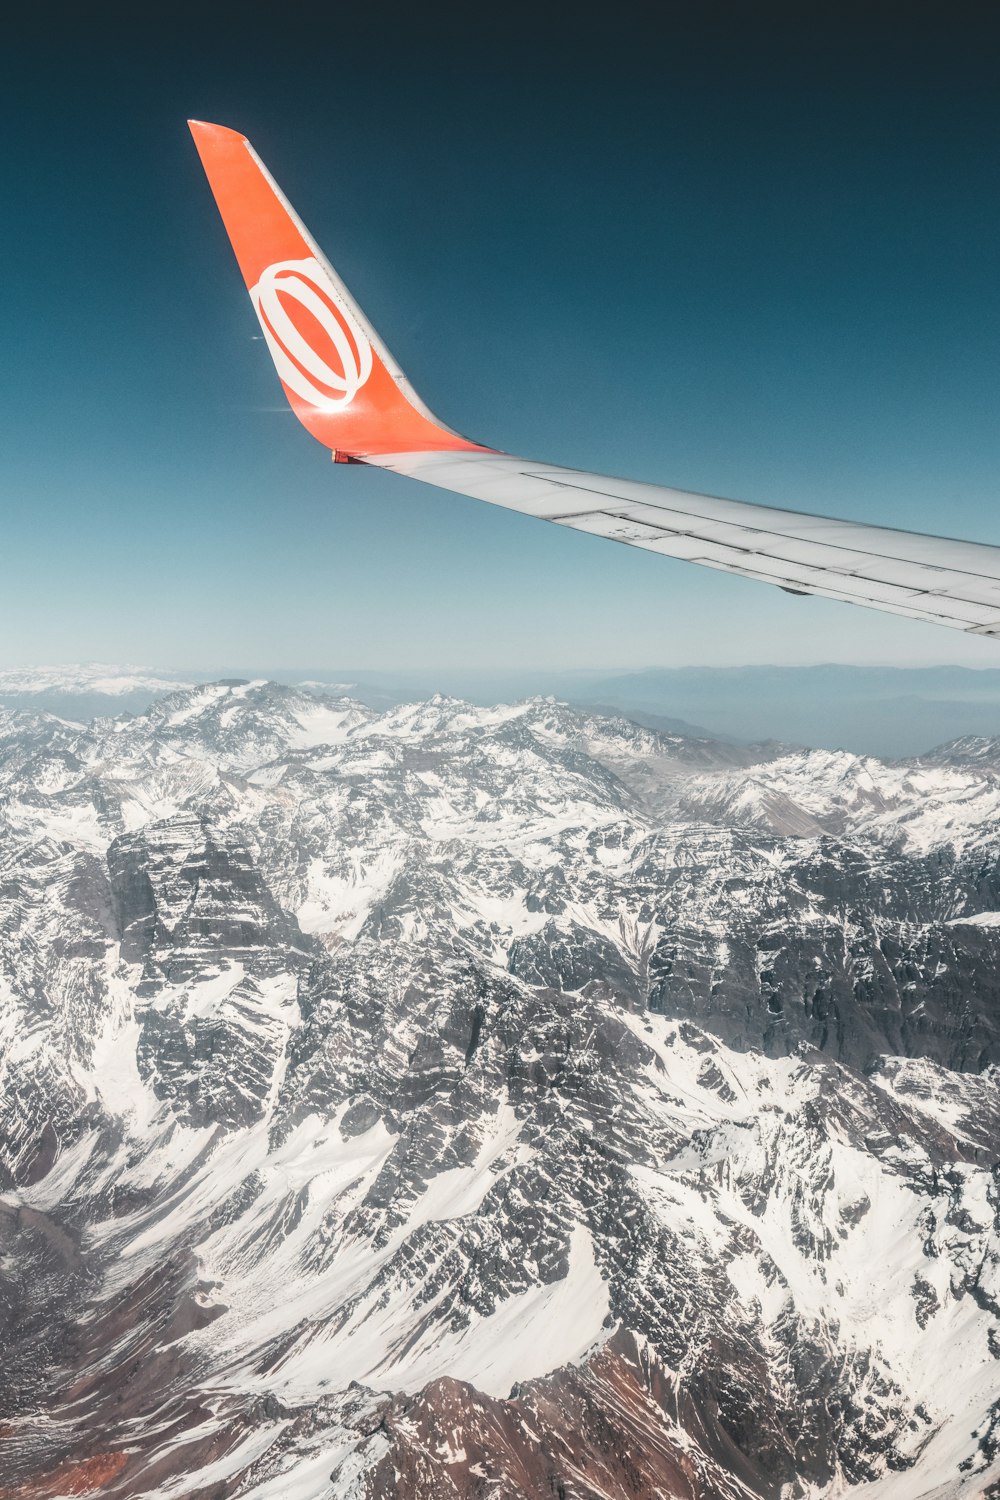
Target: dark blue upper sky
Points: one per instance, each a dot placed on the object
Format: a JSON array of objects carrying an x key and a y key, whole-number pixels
[{"x": 731, "y": 247}]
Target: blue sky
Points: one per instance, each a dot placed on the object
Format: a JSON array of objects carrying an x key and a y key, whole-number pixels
[{"x": 742, "y": 249}]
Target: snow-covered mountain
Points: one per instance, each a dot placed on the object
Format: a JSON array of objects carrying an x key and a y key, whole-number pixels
[
  {"x": 495, "y": 1103},
  {"x": 92, "y": 677},
  {"x": 80, "y": 692}
]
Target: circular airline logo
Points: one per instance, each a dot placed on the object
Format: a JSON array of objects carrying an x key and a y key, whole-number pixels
[{"x": 317, "y": 346}]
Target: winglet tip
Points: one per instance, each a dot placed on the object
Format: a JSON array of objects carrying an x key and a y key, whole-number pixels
[{"x": 202, "y": 129}]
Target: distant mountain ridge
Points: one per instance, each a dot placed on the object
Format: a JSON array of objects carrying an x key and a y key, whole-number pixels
[
  {"x": 886, "y": 711},
  {"x": 91, "y": 677},
  {"x": 890, "y": 712},
  {"x": 82, "y": 691}
]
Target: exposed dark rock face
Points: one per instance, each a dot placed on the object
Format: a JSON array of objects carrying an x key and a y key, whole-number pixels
[{"x": 491, "y": 1104}]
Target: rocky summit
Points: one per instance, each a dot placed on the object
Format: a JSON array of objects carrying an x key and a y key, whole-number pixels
[{"x": 493, "y": 1104}]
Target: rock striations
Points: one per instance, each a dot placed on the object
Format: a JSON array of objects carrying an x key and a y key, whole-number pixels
[{"x": 493, "y": 1104}]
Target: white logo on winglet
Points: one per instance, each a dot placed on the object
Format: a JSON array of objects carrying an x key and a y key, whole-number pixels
[{"x": 302, "y": 368}]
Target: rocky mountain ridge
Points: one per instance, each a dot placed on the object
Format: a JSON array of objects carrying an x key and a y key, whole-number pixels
[{"x": 493, "y": 1102}]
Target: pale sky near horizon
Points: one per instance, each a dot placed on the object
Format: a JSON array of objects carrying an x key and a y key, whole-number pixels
[{"x": 744, "y": 250}]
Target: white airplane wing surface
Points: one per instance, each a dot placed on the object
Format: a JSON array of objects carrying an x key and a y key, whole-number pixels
[{"x": 347, "y": 390}]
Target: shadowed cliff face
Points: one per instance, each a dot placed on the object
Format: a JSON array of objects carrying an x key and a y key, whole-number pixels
[{"x": 492, "y": 1103}]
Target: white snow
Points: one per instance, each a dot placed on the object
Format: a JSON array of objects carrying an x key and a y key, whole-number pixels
[
  {"x": 791, "y": 1219},
  {"x": 92, "y": 677},
  {"x": 385, "y": 1352}
]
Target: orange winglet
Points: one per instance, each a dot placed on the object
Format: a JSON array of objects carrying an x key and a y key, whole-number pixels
[{"x": 340, "y": 380}]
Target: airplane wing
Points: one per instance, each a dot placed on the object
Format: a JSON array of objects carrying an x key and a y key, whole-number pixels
[{"x": 350, "y": 394}]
